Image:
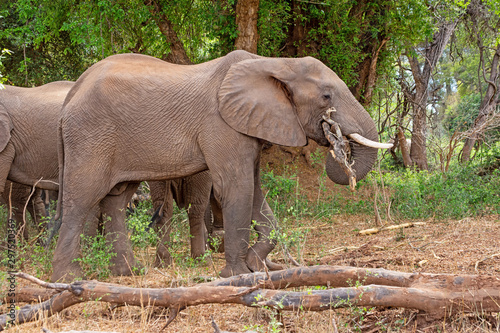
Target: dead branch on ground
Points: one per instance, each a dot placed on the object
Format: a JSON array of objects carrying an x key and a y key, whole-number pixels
[
  {"x": 436, "y": 294},
  {"x": 390, "y": 227}
]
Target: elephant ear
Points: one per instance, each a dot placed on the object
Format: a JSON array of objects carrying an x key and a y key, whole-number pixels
[
  {"x": 255, "y": 99},
  {"x": 5, "y": 127}
]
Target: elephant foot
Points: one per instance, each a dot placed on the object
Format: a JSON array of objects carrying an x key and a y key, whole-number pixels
[
  {"x": 67, "y": 274},
  {"x": 272, "y": 266},
  {"x": 126, "y": 267},
  {"x": 162, "y": 259},
  {"x": 256, "y": 264},
  {"x": 228, "y": 271}
]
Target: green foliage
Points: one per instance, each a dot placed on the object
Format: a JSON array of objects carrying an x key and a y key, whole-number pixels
[
  {"x": 96, "y": 256},
  {"x": 460, "y": 192},
  {"x": 488, "y": 159},
  {"x": 41, "y": 259},
  {"x": 348, "y": 30},
  {"x": 137, "y": 223},
  {"x": 2, "y": 56},
  {"x": 461, "y": 117},
  {"x": 273, "y": 25},
  {"x": 280, "y": 192}
]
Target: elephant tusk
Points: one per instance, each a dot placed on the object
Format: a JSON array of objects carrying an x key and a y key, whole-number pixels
[{"x": 369, "y": 143}]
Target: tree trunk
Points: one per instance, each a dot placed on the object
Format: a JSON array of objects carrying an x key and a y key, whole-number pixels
[
  {"x": 403, "y": 144},
  {"x": 246, "y": 20},
  {"x": 368, "y": 72},
  {"x": 488, "y": 105},
  {"x": 422, "y": 76},
  {"x": 298, "y": 29},
  {"x": 177, "y": 53}
]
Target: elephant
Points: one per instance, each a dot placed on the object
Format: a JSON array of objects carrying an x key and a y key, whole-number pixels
[
  {"x": 133, "y": 117},
  {"x": 28, "y": 144},
  {"x": 193, "y": 193},
  {"x": 28, "y": 134}
]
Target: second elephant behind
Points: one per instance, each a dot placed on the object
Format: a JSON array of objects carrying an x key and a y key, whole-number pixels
[{"x": 192, "y": 193}]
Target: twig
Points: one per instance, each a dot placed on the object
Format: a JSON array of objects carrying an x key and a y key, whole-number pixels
[
  {"x": 57, "y": 286},
  {"x": 484, "y": 259},
  {"x": 33, "y": 189},
  {"x": 340, "y": 147},
  {"x": 391, "y": 227}
]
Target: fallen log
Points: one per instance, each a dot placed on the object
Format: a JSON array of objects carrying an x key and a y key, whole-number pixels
[
  {"x": 30, "y": 295},
  {"x": 436, "y": 294}
]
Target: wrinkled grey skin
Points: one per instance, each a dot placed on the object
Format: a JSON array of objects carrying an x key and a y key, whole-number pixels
[
  {"x": 132, "y": 117},
  {"x": 28, "y": 134},
  {"x": 28, "y": 148}
]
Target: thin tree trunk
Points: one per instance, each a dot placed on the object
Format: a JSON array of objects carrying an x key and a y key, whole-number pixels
[
  {"x": 246, "y": 20},
  {"x": 368, "y": 73},
  {"x": 177, "y": 53},
  {"x": 422, "y": 76},
  {"x": 488, "y": 105},
  {"x": 404, "y": 148}
]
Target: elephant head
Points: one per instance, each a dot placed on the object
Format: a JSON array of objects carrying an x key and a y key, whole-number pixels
[{"x": 284, "y": 100}]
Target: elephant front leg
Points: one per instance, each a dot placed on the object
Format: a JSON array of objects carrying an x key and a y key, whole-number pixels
[{"x": 237, "y": 211}]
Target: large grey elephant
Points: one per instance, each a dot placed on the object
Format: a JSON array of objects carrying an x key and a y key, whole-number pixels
[{"x": 132, "y": 117}]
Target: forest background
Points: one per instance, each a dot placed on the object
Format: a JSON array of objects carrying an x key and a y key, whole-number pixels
[{"x": 427, "y": 71}]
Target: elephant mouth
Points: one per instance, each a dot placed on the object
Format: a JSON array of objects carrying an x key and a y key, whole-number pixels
[{"x": 340, "y": 147}]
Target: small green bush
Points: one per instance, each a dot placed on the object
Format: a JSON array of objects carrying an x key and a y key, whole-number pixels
[
  {"x": 96, "y": 257},
  {"x": 137, "y": 223}
]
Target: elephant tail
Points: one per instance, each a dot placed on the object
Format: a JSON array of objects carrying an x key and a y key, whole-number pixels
[
  {"x": 60, "y": 156},
  {"x": 157, "y": 216}
]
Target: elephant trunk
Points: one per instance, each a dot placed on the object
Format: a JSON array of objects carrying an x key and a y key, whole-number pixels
[{"x": 363, "y": 156}]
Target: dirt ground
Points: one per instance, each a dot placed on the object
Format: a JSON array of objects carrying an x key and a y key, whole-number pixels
[{"x": 466, "y": 246}]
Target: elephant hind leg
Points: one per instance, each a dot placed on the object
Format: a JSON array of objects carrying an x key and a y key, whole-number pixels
[{"x": 113, "y": 210}]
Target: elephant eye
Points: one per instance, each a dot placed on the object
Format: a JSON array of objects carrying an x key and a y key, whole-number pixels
[{"x": 327, "y": 96}]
